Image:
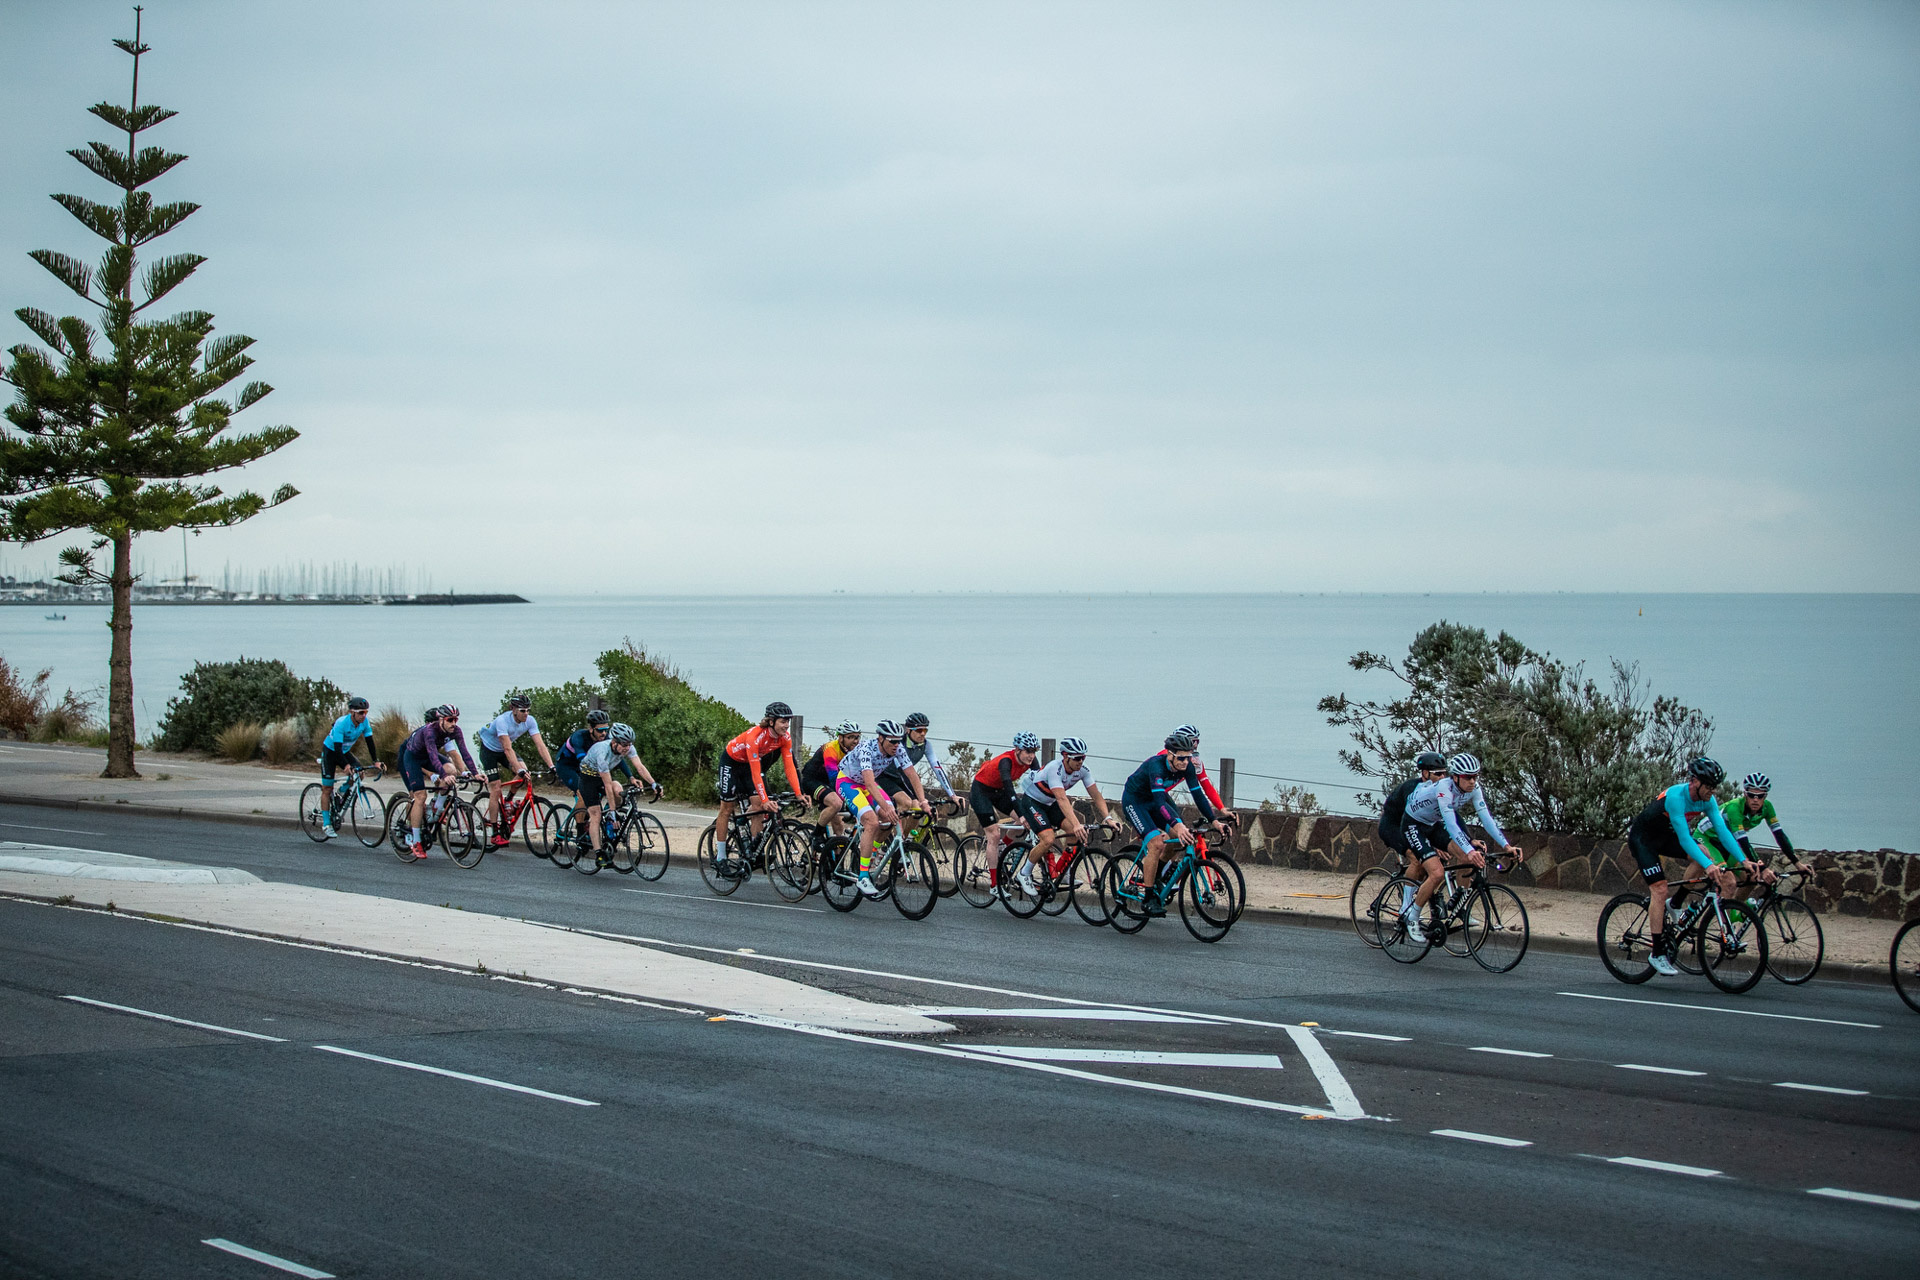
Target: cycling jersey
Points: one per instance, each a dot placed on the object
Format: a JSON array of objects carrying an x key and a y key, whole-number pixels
[
  {"x": 758, "y": 745},
  {"x": 1206, "y": 783},
  {"x": 918, "y": 754},
  {"x": 601, "y": 758},
  {"x": 345, "y": 733},
  {"x": 1740, "y": 820},
  {"x": 1393, "y": 814},
  {"x": 822, "y": 768},
  {"x": 1148, "y": 789},
  {"x": 1663, "y": 825},
  {"x": 867, "y": 757},
  {"x": 1435, "y": 804},
  {"x": 1000, "y": 772},
  {"x": 427, "y": 742},
  {"x": 504, "y": 728},
  {"x": 1036, "y": 786}
]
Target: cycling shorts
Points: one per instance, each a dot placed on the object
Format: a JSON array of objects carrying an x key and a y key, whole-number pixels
[
  {"x": 986, "y": 801},
  {"x": 734, "y": 780},
  {"x": 414, "y": 771},
  {"x": 592, "y": 789},
  {"x": 894, "y": 782},
  {"x": 1041, "y": 815},
  {"x": 1140, "y": 820},
  {"x": 494, "y": 764},
  {"x": 856, "y": 797},
  {"x": 1426, "y": 840},
  {"x": 820, "y": 793},
  {"x": 1647, "y": 853},
  {"x": 331, "y": 760}
]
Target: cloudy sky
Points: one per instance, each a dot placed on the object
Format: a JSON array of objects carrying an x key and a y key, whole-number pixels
[{"x": 738, "y": 297}]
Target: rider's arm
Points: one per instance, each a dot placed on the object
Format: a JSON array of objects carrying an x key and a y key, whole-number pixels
[
  {"x": 1455, "y": 832},
  {"x": 1485, "y": 815},
  {"x": 1099, "y": 801},
  {"x": 1737, "y": 849},
  {"x": 1199, "y": 794},
  {"x": 786, "y": 758},
  {"x": 1159, "y": 803},
  {"x": 1206, "y": 783},
  {"x": 1676, "y": 804},
  {"x": 540, "y": 742},
  {"x": 1779, "y": 835}
]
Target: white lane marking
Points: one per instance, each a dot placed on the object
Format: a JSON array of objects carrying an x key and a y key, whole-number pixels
[
  {"x": 254, "y": 1255},
  {"x": 1491, "y": 1139},
  {"x": 1821, "y": 1088},
  {"x": 942, "y": 1051},
  {"x": 71, "y": 831},
  {"x": 456, "y": 1075},
  {"x": 1661, "y": 1166},
  {"x": 1140, "y": 1057},
  {"x": 1890, "y": 1202},
  {"x": 707, "y": 897},
  {"x": 167, "y": 1017},
  {"x": 1339, "y": 1094},
  {"x": 1081, "y": 1015},
  {"x": 1714, "y": 1008},
  {"x": 1511, "y": 1053},
  {"x": 1664, "y": 1071},
  {"x": 1371, "y": 1035}
]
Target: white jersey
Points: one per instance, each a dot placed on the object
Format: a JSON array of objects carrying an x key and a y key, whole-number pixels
[{"x": 1038, "y": 783}]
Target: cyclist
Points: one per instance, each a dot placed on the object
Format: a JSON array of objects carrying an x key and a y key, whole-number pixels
[
  {"x": 421, "y": 761},
  {"x": 603, "y": 760},
  {"x": 742, "y": 775},
  {"x": 1148, "y": 803},
  {"x": 821, "y": 773},
  {"x": 566, "y": 766},
  {"x": 1743, "y": 813},
  {"x": 336, "y": 749},
  {"x": 1430, "y": 766},
  {"x": 500, "y": 761},
  {"x": 1663, "y": 829},
  {"x": 915, "y": 745},
  {"x": 1432, "y": 828},
  {"x": 1227, "y": 815},
  {"x": 993, "y": 788},
  {"x": 864, "y": 797},
  {"x": 1044, "y": 803}
]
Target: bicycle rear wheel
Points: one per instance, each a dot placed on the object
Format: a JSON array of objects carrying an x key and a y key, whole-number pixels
[
  {"x": 1083, "y": 886},
  {"x": 1625, "y": 939},
  {"x": 1226, "y": 863},
  {"x": 973, "y": 873},
  {"x": 460, "y": 828},
  {"x": 1497, "y": 930},
  {"x": 1735, "y": 955},
  {"x": 1207, "y": 901},
  {"x": 399, "y": 826},
  {"x": 1016, "y": 900},
  {"x": 1121, "y": 897},
  {"x": 1903, "y": 963},
  {"x": 722, "y": 880},
  {"x": 840, "y": 874},
  {"x": 368, "y": 817},
  {"x": 1795, "y": 944},
  {"x": 1394, "y": 938},
  {"x": 558, "y": 837},
  {"x": 311, "y": 812},
  {"x": 651, "y": 861},
  {"x": 916, "y": 881},
  {"x": 1365, "y": 902}
]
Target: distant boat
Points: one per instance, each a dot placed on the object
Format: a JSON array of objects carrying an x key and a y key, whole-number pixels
[{"x": 56, "y": 617}]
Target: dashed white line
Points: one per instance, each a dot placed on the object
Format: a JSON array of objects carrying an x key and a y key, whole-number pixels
[
  {"x": 456, "y": 1075},
  {"x": 1714, "y": 1008},
  {"x": 1131, "y": 1057},
  {"x": 167, "y": 1017},
  {"x": 1511, "y": 1053},
  {"x": 1664, "y": 1071},
  {"x": 254, "y": 1255},
  {"x": 1862, "y": 1197},
  {"x": 1371, "y": 1035},
  {"x": 1491, "y": 1139},
  {"x": 1075, "y": 1015},
  {"x": 1821, "y": 1088},
  {"x": 1661, "y": 1166}
]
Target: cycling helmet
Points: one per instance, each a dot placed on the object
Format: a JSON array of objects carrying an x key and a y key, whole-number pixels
[
  {"x": 519, "y": 702},
  {"x": 1430, "y": 762},
  {"x": 1180, "y": 740},
  {"x": 1072, "y": 747},
  {"x": 1026, "y": 742},
  {"x": 848, "y": 728},
  {"x": 918, "y": 720},
  {"x": 356, "y": 704},
  {"x": 779, "y": 711},
  {"x": 1192, "y": 731},
  {"x": 1756, "y": 782},
  {"x": 598, "y": 719},
  {"x": 450, "y": 711},
  {"x": 888, "y": 729},
  {"x": 1706, "y": 769},
  {"x": 622, "y": 733},
  {"x": 1464, "y": 765}
]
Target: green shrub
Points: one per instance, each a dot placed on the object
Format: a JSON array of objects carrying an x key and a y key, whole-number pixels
[
  {"x": 215, "y": 695},
  {"x": 69, "y": 720},
  {"x": 238, "y": 742},
  {"x": 281, "y": 742}
]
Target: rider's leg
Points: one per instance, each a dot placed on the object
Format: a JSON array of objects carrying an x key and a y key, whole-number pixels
[
  {"x": 1150, "y": 859},
  {"x": 869, "y": 833},
  {"x": 720, "y": 822},
  {"x": 1436, "y": 867}
]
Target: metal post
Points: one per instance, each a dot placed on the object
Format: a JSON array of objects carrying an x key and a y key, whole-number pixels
[
  {"x": 1226, "y": 781},
  {"x": 1046, "y": 751},
  {"x": 596, "y": 703}
]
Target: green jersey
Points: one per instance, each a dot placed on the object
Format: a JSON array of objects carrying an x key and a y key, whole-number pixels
[{"x": 1741, "y": 820}]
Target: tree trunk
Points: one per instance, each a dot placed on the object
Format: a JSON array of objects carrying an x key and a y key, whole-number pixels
[{"x": 120, "y": 736}]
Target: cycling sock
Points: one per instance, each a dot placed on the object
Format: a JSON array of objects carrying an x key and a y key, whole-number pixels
[
  {"x": 416, "y": 835},
  {"x": 719, "y": 848},
  {"x": 1660, "y": 943}
]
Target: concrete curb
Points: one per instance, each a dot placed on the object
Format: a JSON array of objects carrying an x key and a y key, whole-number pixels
[{"x": 85, "y": 805}]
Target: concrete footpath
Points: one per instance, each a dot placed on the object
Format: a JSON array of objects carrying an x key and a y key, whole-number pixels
[{"x": 183, "y": 786}]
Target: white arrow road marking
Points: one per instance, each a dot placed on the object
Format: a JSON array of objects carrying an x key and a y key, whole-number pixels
[
  {"x": 1339, "y": 1093},
  {"x": 1140, "y": 1057}
]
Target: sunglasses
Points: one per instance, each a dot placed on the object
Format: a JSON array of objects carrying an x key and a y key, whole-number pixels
[
  {"x": 889, "y": 739},
  {"x": 1075, "y": 759},
  {"x": 1179, "y": 757}
]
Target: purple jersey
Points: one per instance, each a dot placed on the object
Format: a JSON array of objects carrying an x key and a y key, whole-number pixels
[{"x": 427, "y": 741}]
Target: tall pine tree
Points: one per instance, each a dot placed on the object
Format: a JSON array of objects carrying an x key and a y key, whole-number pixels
[{"x": 111, "y": 428}]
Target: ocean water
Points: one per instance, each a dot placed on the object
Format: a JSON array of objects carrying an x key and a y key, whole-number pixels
[{"x": 1818, "y": 691}]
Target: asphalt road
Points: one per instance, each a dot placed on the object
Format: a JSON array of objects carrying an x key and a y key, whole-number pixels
[{"x": 1149, "y": 1104}]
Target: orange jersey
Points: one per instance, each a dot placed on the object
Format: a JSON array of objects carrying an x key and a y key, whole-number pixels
[{"x": 757, "y": 745}]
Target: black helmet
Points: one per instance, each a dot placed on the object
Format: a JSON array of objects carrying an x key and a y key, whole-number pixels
[
  {"x": 1430, "y": 762},
  {"x": 597, "y": 719},
  {"x": 356, "y": 704},
  {"x": 918, "y": 720},
  {"x": 779, "y": 711},
  {"x": 1178, "y": 741},
  {"x": 1706, "y": 769},
  {"x": 519, "y": 702}
]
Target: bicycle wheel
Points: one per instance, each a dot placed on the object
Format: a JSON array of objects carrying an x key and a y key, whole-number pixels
[
  {"x": 944, "y": 845},
  {"x": 1364, "y": 903},
  {"x": 623, "y": 849},
  {"x": 1015, "y": 899},
  {"x": 368, "y": 818},
  {"x": 1735, "y": 955},
  {"x": 840, "y": 874},
  {"x": 1795, "y": 943},
  {"x": 1903, "y": 963},
  {"x": 558, "y": 837},
  {"x": 1624, "y": 939},
  {"x": 1497, "y": 929},
  {"x": 1232, "y": 868},
  {"x": 1207, "y": 900},
  {"x": 399, "y": 826},
  {"x": 311, "y": 811},
  {"x": 1055, "y": 891},
  {"x": 1686, "y": 958},
  {"x": 790, "y": 861},
  {"x": 1120, "y": 895},
  {"x": 1394, "y": 938},
  {"x": 973, "y": 873},
  {"x": 722, "y": 880},
  {"x": 651, "y": 861},
  {"x": 916, "y": 881},
  {"x": 533, "y": 819},
  {"x": 460, "y": 828},
  {"x": 1083, "y": 886}
]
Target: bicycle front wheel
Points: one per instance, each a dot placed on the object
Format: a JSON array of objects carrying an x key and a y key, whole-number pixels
[
  {"x": 1366, "y": 900},
  {"x": 1795, "y": 944},
  {"x": 1207, "y": 901},
  {"x": 973, "y": 873},
  {"x": 1903, "y": 960},
  {"x": 1734, "y": 954},
  {"x": 460, "y": 836},
  {"x": 790, "y": 862},
  {"x": 1083, "y": 886},
  {"x": 533, "y": 821},
  {"x": 1497, "y": 929},
  {"x": 623, "y": 849},
  {"x": 650, "y": 863},
  {"x": 311, "y": 812},
  {"x": 944, "y": 845},
  {"x": 368, "y": 818},
  {"x": 916, "y": 881}
]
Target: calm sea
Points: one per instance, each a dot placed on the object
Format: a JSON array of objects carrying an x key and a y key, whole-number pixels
[{"x": 1819, "y": 691}]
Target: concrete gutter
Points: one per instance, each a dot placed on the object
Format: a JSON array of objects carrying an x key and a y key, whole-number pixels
[{"x": 99, "y": 864}]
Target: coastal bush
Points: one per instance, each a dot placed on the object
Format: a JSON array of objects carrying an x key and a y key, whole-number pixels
[
  {"x": 1291, "y": 798},
  {"x": 22, "y": 703},
  {"x": 239, "y": 742},
  {"x": 282, "y": 741},
  {"x": 215, "y": 695},
  {"x": 1560, "y": 751},
  {"x": 390, "y": 730},
  {"x": 68, "y": 720}
]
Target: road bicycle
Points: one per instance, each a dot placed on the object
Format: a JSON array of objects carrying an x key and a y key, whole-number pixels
[
  {"x": 1728, "y": 943},
  {"x": 1068, "y": 876},
  {"x": 521, "y": 807},
  {"x": 1466, "y": 917},
  {"x": 770, "y": 850},
  {"x": 450, "y": 819},
  {"x": 1206, "y": 882},
  {"x": 1795, "y": 942},
  {"x": 901, "y": 869},
  {"x": 942, "y": 841},
  {"x": 355, "y": 804},
  {"x": 976, "y": 876},
  {"x": 1903, "y": 960},
  {"x": 632, "y": 840}
]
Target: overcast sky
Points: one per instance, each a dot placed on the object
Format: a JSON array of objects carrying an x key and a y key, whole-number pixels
[{"x": 736, "y": 297}]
